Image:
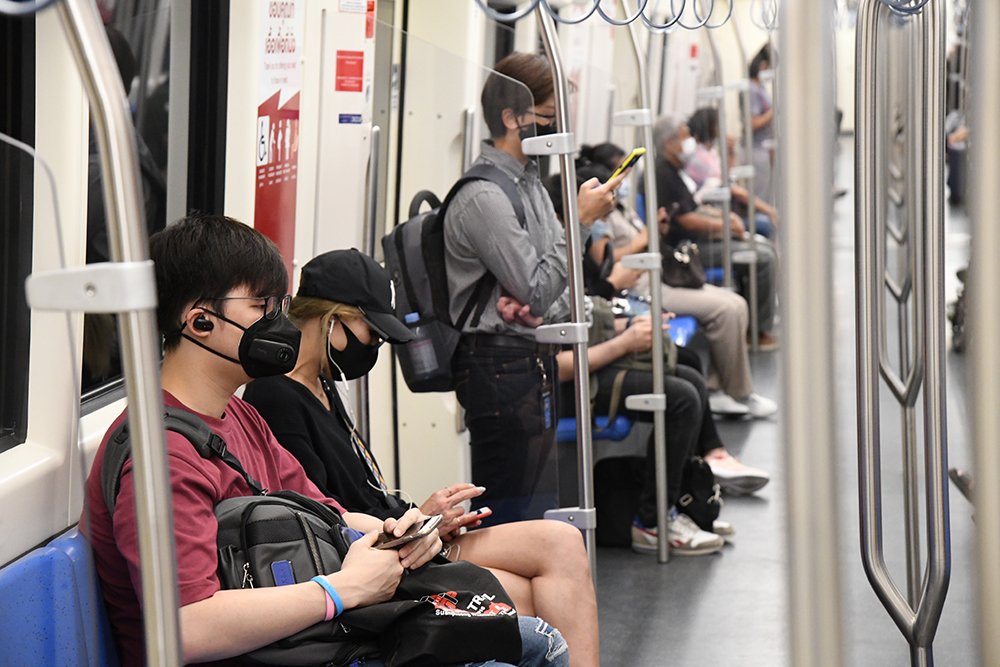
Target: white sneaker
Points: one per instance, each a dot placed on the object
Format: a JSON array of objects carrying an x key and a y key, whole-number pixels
[
  {"x": 734, "y": 477},
  {"x": 687, "y": 539},
  {"x": 723, "y": 528},
  {"x": 759, "y": 407},
  {"x": 723, "y": 404}
]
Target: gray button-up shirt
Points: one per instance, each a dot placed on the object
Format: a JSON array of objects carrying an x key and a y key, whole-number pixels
[{"x": 482, "y": 233}]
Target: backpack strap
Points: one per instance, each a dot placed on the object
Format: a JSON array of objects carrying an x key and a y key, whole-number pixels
[
  {"x": 479, "y": 299},
  {"x": 205, "y": 441}
]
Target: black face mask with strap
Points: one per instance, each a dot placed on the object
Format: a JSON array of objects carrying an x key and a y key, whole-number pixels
[
  {"x": 267, "y": 347},
  {"x": 355, "y": 360}
]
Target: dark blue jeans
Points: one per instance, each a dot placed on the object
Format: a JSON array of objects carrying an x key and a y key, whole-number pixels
[{"x": 510, "y": 409}]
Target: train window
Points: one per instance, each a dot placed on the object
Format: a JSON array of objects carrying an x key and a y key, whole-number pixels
[
  {"x": 139, "y": 33},
  {"x": 17, "y": 119}
]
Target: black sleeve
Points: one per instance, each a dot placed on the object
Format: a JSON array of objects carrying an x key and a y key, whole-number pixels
[
  {"x": 671, "y": 189},
  {"x": 322, "y": 444}
]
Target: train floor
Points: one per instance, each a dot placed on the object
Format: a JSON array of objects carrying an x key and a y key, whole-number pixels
[{"x": 732, "y": 607}]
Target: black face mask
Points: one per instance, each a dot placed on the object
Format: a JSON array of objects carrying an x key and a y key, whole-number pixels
[
  {"x": 355, "y": 360},
  {"x": 267, "y": 347},
  {"x": 536, "y": 130}
]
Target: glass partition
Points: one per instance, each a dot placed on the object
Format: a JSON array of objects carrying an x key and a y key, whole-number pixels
[{"x": 438, "y": 129}]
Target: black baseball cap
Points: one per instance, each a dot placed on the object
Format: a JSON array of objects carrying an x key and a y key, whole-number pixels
[{"x": 355, "y": 279}]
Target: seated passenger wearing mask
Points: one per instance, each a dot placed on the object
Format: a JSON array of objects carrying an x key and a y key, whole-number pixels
[{"x": 345, "y": 310}]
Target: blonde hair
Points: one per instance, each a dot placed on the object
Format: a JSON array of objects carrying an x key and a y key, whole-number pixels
[{"x": 306, "y": 308}]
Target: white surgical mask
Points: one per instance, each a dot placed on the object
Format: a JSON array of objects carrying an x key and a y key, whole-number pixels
[
  {"x": 688, "y": 148},
  {"x": 624, "y": 190}
]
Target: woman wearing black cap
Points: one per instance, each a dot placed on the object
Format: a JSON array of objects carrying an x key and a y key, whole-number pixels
[{"x": 345, "y": 309}]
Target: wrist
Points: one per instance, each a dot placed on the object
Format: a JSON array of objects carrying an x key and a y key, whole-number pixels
[{"x": 334, "y": 604}]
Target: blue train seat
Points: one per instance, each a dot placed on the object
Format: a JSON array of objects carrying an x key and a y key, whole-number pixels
[
  {"x": 52, "y": 611},
  {"x": 682, "y": 328}
]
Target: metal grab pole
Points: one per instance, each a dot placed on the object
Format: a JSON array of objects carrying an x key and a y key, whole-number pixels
[
  {"x": 748, "y": 169},
  {"x": 575, "y": 331},
  {"x": 723, "y": 196},
  {"x": 652, "y": 261},
  {"x": 139, "y": 338},
  {"x": 371, "y": 222},
  {"x": 917, "y": 624},
  {"x": 984, "y": 202},
  {"x": 809, "y": 421}
]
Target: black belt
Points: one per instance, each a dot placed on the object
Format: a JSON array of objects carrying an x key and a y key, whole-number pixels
[{"x": 474, "y": 341}]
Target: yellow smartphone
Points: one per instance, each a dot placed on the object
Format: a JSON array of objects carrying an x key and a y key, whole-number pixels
[{"x": 629, "y": 161}]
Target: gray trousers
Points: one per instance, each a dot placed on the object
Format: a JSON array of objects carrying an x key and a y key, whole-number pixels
[{"x": 767, "y": 274}]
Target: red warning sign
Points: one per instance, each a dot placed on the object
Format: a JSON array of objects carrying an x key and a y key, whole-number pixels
[{"x": 350, "y": 69}]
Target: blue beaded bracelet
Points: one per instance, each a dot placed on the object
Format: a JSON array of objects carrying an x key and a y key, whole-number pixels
[{"x": 332, "y": 592}]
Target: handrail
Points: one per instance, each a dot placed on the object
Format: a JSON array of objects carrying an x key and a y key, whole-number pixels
[
  {"x": 984, "y": 202},
  {"x": 809, "y": 432},
  {"x": 369, "y": 245},
  {"x": 751, "y": 197},
  {"x": 574, "y": 250},
  {"x": 640, "y": 13},
  {"x": 727, "y": 257},
  {"x": 656, "y": 296},
  {"x": 918, "y": 623},
  {"x": 139, "y": 338}
]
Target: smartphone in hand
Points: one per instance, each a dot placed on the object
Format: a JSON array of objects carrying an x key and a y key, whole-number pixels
[{"x": 415, "y": 532}]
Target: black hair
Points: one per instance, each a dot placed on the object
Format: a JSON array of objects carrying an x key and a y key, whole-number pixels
[
  {"x": 203, "y": 258},
  {"x": 608, "y": 154},
  {"x": 704, "y": 125},
  {"x": 124, "y": 57},
  {"x": 763, "y": 56},
  {"x": 519, "y": 81}
]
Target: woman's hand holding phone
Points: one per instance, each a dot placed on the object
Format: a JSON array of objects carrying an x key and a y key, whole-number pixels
[{"x": 448, "y": 503}]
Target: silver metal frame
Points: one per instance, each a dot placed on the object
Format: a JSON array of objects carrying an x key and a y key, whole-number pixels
[
  {"x": 984, "y": 202},
  {"x": 809, "y": 421},
  {"x": 139, "y": 337},
  {"x": 925, "y": 126}
]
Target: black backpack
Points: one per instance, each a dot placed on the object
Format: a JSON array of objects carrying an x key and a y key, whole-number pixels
[
  {"x": 701, "y": 498},
  {"x": 274, "y": 538},
  {"x": 415, "y": 258}
]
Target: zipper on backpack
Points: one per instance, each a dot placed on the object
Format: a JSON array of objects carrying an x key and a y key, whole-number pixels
[{"x": 247, "y": 577}]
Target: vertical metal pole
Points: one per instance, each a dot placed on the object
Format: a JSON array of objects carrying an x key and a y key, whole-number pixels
[
  {"x": 370, "y": 233},
  {"x": 984, "y": 202},
  {"x": 914, "y": 200},
  {"x": 809, "y": 423},
  {"x": 727, "y": 253},
  {"x": 938, "y": 573},
  {"x": 751, "y": 197},
  {"x": 581, "y": 370},
  {"x": 139, "y": 337},
  {"x": 656, "y": 299}
]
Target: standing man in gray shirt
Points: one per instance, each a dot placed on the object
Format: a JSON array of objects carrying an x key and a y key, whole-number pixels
[{"x": 504, "y": 379}]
